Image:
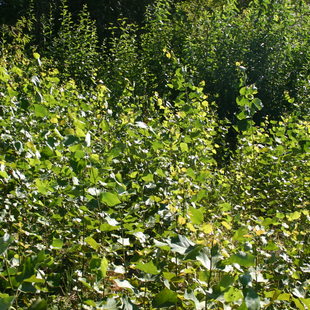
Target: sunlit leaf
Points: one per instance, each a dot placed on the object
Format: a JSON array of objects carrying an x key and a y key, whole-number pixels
[
  {"x": 207, "y": 228},
  {"x": 57, "y": 243},
  {"x": 40, "y": 110},
  {"x": 36, "y": 55},
  {"x": 184, "y": 147},
  {"x": 196, "y": 215},
  {"x": 148, "y": 178},
  {"x": 233, "y": 294},
  {"x": 110, "y": 199},
  {"x": 92, "y": 243},
  {"x": 293, "y": 216},
  {"x": 241, "y": 234},
  {"x": 104, "y": 266},
  {"x": 148, "y": 267}
]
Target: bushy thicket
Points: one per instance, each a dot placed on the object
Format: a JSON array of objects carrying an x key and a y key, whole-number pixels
[{"x": 116, "y": 191}]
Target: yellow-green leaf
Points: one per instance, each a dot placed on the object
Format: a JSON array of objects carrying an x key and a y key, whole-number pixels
[
  {"x": 104, "y": 266},
  {"x": 92, "y": 242}
]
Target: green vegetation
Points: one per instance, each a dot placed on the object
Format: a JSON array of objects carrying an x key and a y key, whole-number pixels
[{"x": 162, "y": 165}]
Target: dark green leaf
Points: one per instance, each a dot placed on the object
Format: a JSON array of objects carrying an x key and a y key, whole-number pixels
[
  {"x": 165, "y": 298},
  {"x": 243, "y": 259},
  {"x": 5, "y": 241},
  {"x": 6, "y": 301}
]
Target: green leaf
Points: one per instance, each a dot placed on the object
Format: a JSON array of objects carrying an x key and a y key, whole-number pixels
[
  {"x": 299, "y": 305},
  {"x": 192, "y": 252},
  {"x": 269, "y": 221},
  {"x": 27, "y": 272},
  {"x": 79, "y": 154},
  {"x": 110, "y": 199},
  {"x": 165, "y": 298},
  {"x": 93, "y": 175},
  {"x": 4, "y": 77},
  {"x": 196, "y": 215},
  {"x": 258, "y": 104},
  {"x": 226, "y": 206},
  {"x": 40, "y": 110},
  {"x": 245, "y": 279},
  {"x": 148, "y": 178},
  {"x": 42, "y": 186},
  {"x": 306, "y": 302},
  {"x": 184, "y": 147},
  {"x": 92, "y": 243},
  {"x": 284, "y": 296},
  {"x": 241, "y": 234},
  {"x": 108, "y": 227},
  {"x": 3, "y": 174},
  {"x": 57, "y": 243},
  {"x": 6, "y": 301},
  {"x": 242, "y": 115},
  {"x": 243, "y": 91},
  {"x": 293, "y": 216},
  {"x": 244, "y": 124},
  {"x": 80, "y": 132},
  {"x": 104, "y": 266},
  {"x": 5, "y": 241},
  {"x": 34, "y": 279},
  {"x": 85, "y": 283},
  {"x": 243, "y": 259},
  {"x": 148, "y": 268},
  {"x": 243, "y": 306},
  {"x": 104, "y": 125},
  {"x": 242, "y": 101},
  {"x": 36, "y": 55},
  {"x": 156, "y": 145},
  {"x": 70, "y": 139},
  {"x": 233, "y": 294},
  {"x": 226, "y": 281}
]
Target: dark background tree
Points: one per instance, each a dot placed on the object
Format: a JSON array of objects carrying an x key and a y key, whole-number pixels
[{"x": 103, "y": 11}]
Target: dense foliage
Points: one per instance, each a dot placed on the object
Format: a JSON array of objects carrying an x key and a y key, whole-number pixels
[{"x": 165, "y": 166}]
